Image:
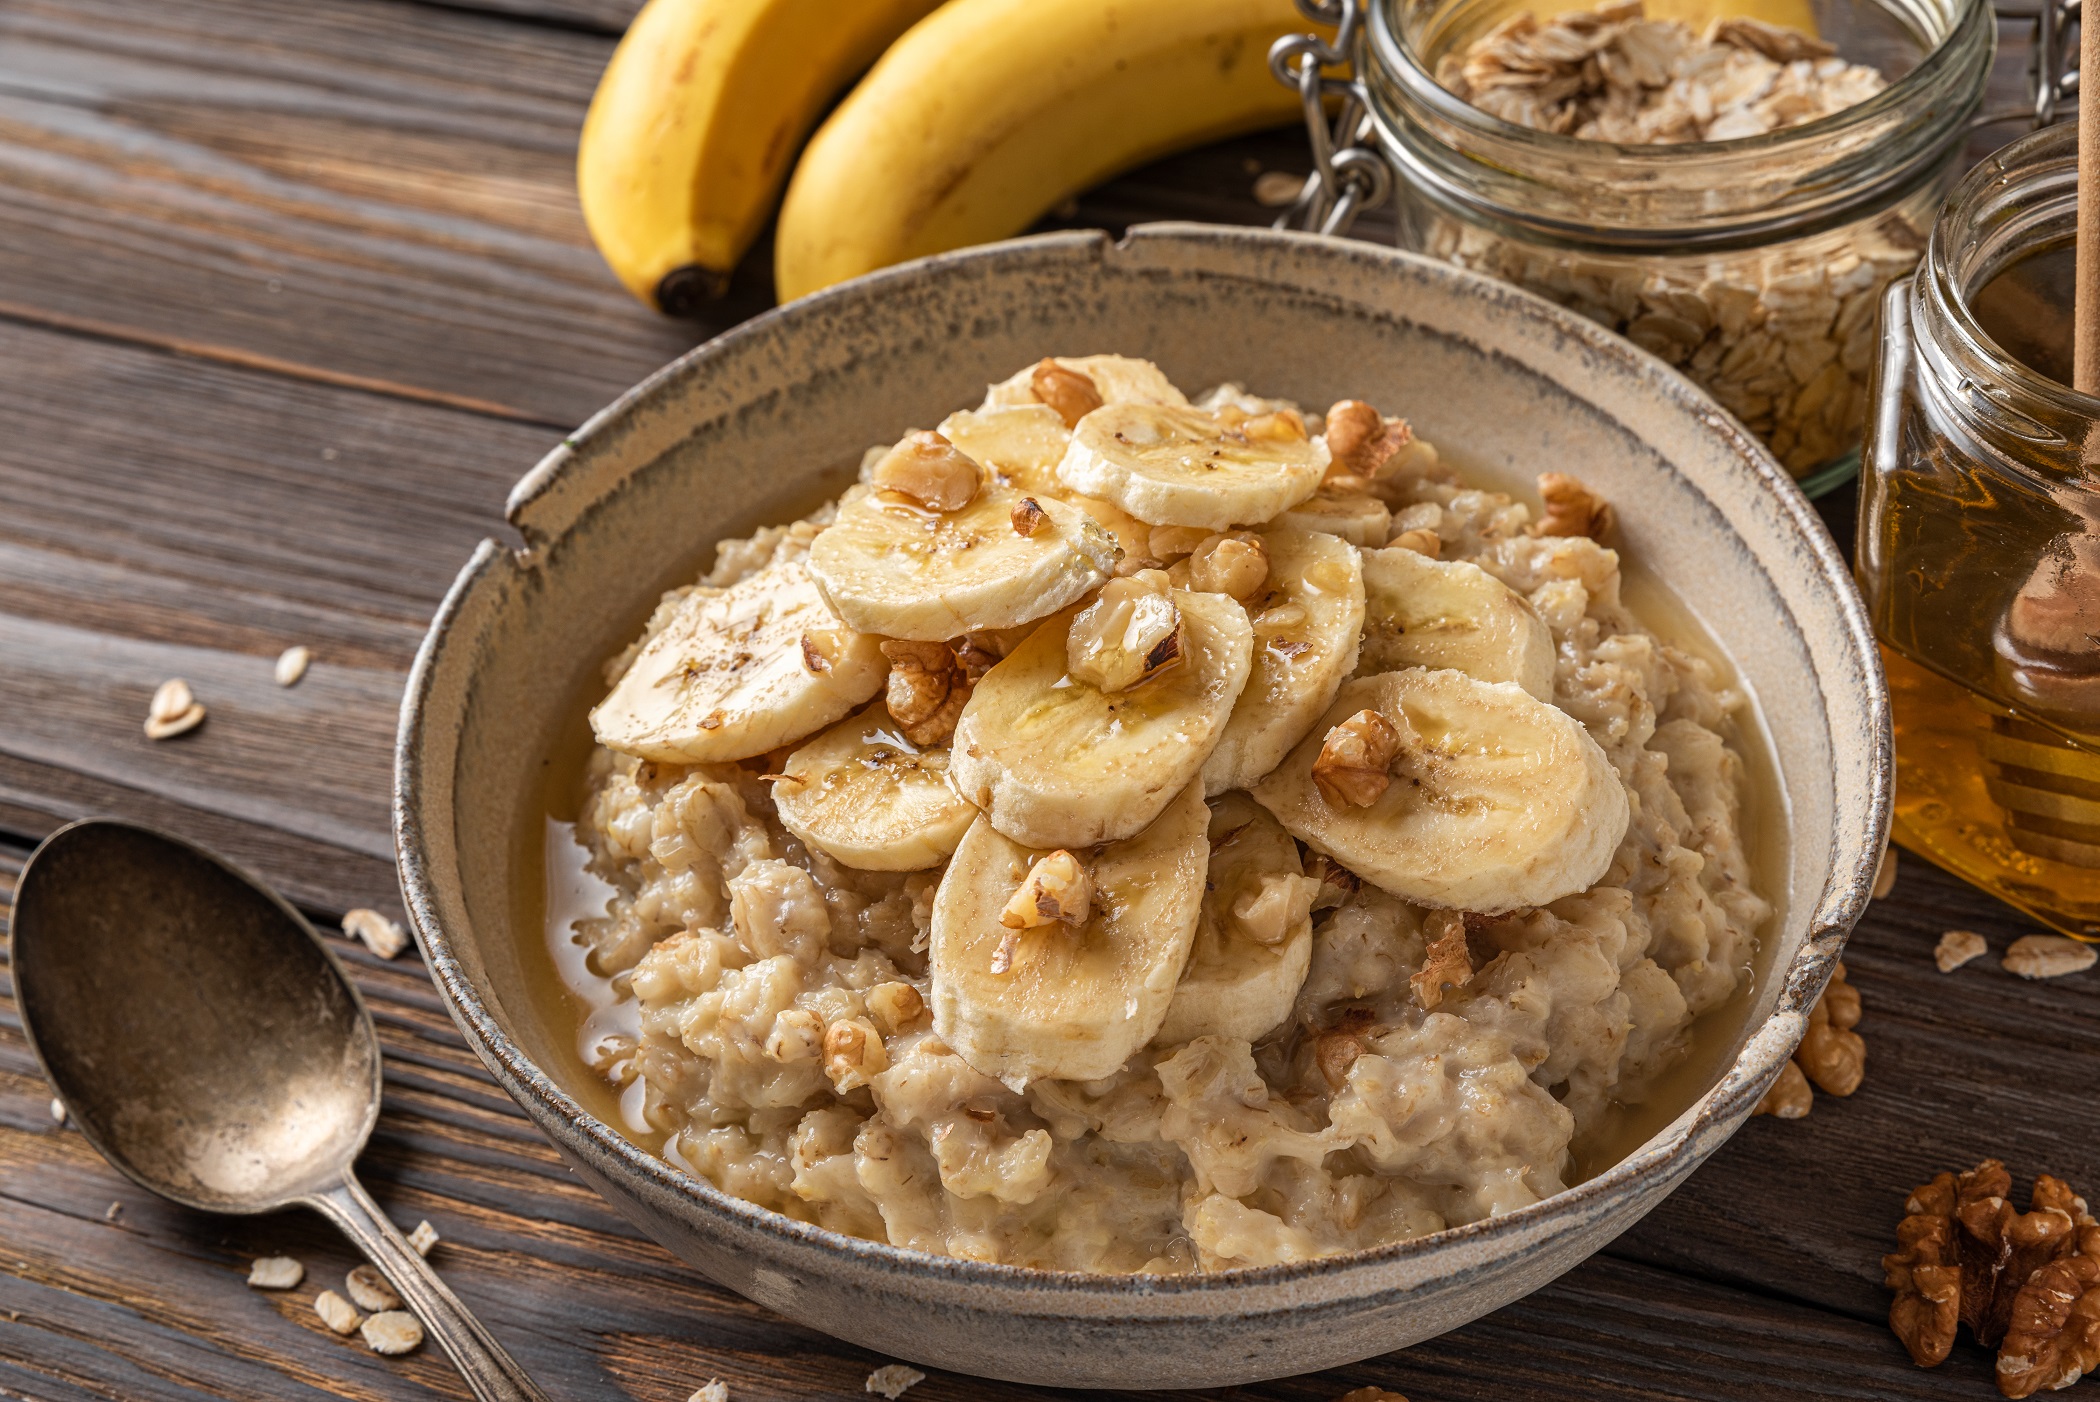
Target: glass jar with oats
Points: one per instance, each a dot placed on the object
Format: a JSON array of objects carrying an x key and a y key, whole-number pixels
[{"x": 1729, "y": 183}]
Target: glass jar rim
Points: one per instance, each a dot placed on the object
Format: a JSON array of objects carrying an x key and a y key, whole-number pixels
[
  {"x": 2034, "y": 155},
  {"x": 1704, "y": 197},
  {"x": 1396, "y": 58}
]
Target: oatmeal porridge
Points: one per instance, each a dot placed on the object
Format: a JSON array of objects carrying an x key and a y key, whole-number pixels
[{"x": 1128, "y": 833}]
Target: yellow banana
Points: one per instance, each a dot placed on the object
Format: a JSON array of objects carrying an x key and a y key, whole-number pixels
[
  {"x": 696, "y": 119},
  {"x": 989, "y": 112}
]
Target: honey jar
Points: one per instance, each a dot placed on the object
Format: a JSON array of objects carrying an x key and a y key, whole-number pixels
[{"x": 1979, "y": 543}]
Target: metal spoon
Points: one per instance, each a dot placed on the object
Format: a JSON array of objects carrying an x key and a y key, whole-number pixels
[{"x": 206, "y": 1041}]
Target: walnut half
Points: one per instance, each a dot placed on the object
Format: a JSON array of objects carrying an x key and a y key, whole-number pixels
[
  {"x": 930, "y": 470},
  {"x": 1573, "y": 509},
  {"x": 927, "y": 690},
  {"x": 1356, "y": 759},
  {"x": 1447, "y": 962}
]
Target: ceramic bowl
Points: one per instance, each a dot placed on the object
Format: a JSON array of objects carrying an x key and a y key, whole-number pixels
[{"x": 756, "y": 425}]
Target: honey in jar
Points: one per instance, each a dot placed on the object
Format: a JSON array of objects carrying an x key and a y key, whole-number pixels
[{"x": 1979, "y": 544}]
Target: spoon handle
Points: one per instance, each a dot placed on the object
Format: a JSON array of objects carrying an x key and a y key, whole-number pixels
[{"x": 493, "y": 1374}]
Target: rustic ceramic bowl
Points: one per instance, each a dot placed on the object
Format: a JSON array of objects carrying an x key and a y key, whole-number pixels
[{"x": 754, "y": 426}]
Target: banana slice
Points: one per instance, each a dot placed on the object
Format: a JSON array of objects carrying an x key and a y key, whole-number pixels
[
  {"x": 1055, "y": 762},
  {"x": 864, "y": 794},
  {"x": 1118, "y": 379},
  {"x": 889, "y": 566},
  {"x": 1355, "y": 517},
  {"x": 1023, "y": 446},
  {"x": 1075, "y": 1000},
  {"x": 1420, "y": 612},
  {"x": 736, "y": 672},
  {"x": 1181, "y": 467},
  {"x": 1498, "y": 802},
  {"x": 1254, "y": 937},
  {"x": 1306, "y": 624}
]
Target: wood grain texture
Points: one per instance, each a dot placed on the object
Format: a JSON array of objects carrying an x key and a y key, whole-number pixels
[{"x": 1759, "y": 1278}]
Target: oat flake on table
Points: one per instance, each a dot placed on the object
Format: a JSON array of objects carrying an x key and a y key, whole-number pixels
[
  {"x": 2048, "y": 956},
  {"x": 891, "y": 1380},
  {"x": 174, "y": 710},
  {"x": 1956, "y": 948},
  {"x": 379, "y": 934},
  {"x": 370, "y": 1289},
  {"x": 423, "y": 1238},
  {"x": 393, "y": 1332},
  {"x": 713, "y": 1390},
  {"x": 292, "y": 664},
  {"x": 275, "y": 1273},
  {"x": 337, "y": 1313}
]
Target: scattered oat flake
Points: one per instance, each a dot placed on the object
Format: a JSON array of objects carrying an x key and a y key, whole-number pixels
[
  {"x": 173, "y": 710},
  {"x": 891, "y": 1380},
  {"x": 1371, "y": 1394},
  {"x": 337, "y": 1313},
  {"x": 2048, "y": 956},
  {"x": 58, "y": 1110},
  {"x": 1956, "y": 948},
  {"x": 380, "y": 935},
  {"x": 292, "y": 663},
  {"x": 713, "y": 1390},
  {"x": 370, "y": 1289},
  {"x": 116, "y": 1210},
  {"x": 275, "y": 1273},
  {"x": 1273, "y": 189},
  {"x": 393, "y": 1332},
  {"x": 423, "y": 1238}
]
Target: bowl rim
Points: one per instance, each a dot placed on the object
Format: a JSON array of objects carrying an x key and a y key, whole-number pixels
[{"x": 1766, "y": 1047}]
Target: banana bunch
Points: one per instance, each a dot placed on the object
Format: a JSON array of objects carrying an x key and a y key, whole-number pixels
[
  {"x": 980, "y": 116},
  {"x": 1122, "y": 680}
]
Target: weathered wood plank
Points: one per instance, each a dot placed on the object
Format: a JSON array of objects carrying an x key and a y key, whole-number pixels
[{"x": 220, "y": 516}]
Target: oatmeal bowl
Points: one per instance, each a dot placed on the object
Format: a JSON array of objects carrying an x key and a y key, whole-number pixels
[{"x": 1153, "y": 813}]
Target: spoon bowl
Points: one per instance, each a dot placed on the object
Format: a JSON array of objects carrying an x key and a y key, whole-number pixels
[
  {"x": 201, "y": 1035},
  {"x": 206, "y": 1041}
]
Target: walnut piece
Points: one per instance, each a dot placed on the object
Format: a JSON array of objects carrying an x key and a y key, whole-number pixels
[
  {"x": 1446, "y": 962},
  {"x": 1130, "y": 633},
  {"x": 2053, "y": 1338},
  {"x": 1831, "y": 1053},
  {"x": 1236, "y": 564},
  {"x": 1925, "y": 1275},
  {"x": 1355, "y": 760},
  {"x": 1958, "y": 947},
  {"x": 930, "y": 470},
  {"x": 1278, "y": 905},
  {"x": 1027, "y": 516},
  {"x": 1362, "y": 442},
  {"x": 853, "y": 1053},
  {"x": 1336, "y": 1049},
  {"x": 1070, "y": 392},
  {"x": 1789, "y": 1098},
  {"x": 1057, "y": 888},
  {"x": 926, "y": 692},
  {"x": 2048, "y": 956},
  {"x": 1572, "y": 509}
]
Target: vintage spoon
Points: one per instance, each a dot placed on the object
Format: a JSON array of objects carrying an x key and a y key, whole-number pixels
[{"x": 206, "y": 1041}]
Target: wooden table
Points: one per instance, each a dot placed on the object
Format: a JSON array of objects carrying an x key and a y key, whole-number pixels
[{"x": 289, "y": 294}]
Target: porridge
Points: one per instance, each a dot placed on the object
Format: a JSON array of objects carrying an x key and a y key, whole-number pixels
[{"x": 1125, "y": 833}]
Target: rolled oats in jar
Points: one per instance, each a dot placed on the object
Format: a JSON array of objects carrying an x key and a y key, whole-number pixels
[{"x": 1731, "y": 192}]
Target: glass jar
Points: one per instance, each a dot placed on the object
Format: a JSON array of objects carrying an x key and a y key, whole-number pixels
[
  {"x": 1754, "y": 265},
  {"x": 1979, "y": 548}
]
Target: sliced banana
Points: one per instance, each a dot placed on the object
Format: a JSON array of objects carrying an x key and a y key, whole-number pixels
[
  {"x": 1118, "y": 379},
  {"x": 1420, "y": 612},
  {"x": 739, "y": 671},
  {"x": 1023, "y": 446},
  {"x": 1075, "y": 1001},
  {"x": 1498, "y": 802},
  {"x": 889, "y": 566},
  {"x": 865, "y": 795},
  {"x": 1254, "y": 937},
  {"x": 1306, "y": 624},
  {"x": 1055, "y": 762},
  {"x": 1182, "y": 467},
  {"x": 1355, "y": 517}
]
